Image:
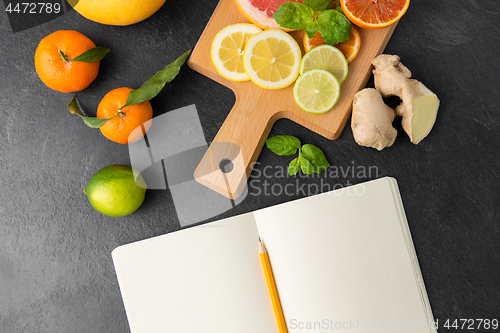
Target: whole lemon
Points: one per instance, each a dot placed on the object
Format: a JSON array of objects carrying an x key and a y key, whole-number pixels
[
  {"x": 116, "y": 12},
  {"x": 116, "y": 190}
]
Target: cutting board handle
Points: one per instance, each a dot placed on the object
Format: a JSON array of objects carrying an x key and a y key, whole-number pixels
[{"x": 240, "y": 141}]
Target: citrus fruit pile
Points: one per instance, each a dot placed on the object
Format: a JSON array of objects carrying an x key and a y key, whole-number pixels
[
  {"x": 322, "y": 71},
  {"x": 68, "y": 61},
  {"x": 269, "y": 58},
  {"x": 349, "y": 48}
]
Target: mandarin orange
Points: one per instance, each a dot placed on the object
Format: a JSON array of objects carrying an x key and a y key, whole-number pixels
[
  {"x": 53, "y": 61},
  {"x": 122, "y": 128}
]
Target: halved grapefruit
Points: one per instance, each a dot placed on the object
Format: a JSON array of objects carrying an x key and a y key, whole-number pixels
[
  {"x": 373, "y": 14},
  {"x": 260, "y": 12}
]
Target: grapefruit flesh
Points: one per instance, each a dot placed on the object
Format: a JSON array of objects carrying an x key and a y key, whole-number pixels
[{"x": 260, "y": 12}]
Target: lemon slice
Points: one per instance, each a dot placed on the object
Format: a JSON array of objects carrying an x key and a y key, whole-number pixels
[
  {"x": 325, "y": 57},
  {"x": 228, "y": 48},
  {"x": 316, "y": 91},
  {"x": 272, "y": 59}
]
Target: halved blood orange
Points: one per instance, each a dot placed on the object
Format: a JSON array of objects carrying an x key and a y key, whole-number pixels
[
  {"x": 260, "y": 12},
  {"x": 349, "y": 48},
  {"x": 373, "y": 14}
]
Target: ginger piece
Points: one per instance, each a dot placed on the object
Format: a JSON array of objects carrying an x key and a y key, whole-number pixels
[
  {"x": 419, "y": 105},
  {"x": 372, "y": 120}
]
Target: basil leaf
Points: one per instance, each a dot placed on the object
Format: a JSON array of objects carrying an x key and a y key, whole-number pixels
[
  {"x": 294, "y": 167},
  {"x": 283, "y": 144},
  {"x": 311, "y": 30},
  {"x": 95, "y": 54},
  {"x": 155, "y": 84},
  {"x": 316, "y": 156},
  {"x": 333, "y": 26},
  {"x": 294, "y": 15},
  {"x": 318, "y": 5},
  {"x": 306, "y": 166},
  {"x": 89, "y": 121}
]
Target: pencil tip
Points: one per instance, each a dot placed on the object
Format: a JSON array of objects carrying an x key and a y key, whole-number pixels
[{"x": 260, "y": 240}]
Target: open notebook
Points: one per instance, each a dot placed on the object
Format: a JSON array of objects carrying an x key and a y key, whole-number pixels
[{"x": 342, "y": 260}]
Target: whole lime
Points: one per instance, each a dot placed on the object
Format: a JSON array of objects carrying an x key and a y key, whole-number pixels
[{"x": 116, "y": 190}]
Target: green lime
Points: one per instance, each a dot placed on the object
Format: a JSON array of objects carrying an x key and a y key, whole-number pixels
[
  {"x": 326, "y": 57},
  {"x": 116, "y": 190},
  {"x": 316, "y": 91}
]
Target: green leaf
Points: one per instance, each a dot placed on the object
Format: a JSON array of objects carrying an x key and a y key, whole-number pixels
[
  {"x": 333, "y": 26},
  {"x": 306, "y": 166},
  {"x": 294, "y": 167},
  {"x": 318, "y": 5},
  {"x": 74, "y": 108},
  {"x": 155, "y": 84},
  {"x": 283, "y": 145},
  {"x": 316, "y": 157},
  {"x": 89, "y": 121},
  {"x": 95, "y": 54},
  {"x": 311, "y": 30},
  {"x": 294, "y": 15}
]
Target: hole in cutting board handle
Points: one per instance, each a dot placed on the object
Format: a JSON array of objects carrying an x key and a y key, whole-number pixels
[{"x": 226, "y": 166}]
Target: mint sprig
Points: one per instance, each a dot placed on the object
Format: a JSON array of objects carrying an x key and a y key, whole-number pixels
[
  {"x": 311, "y": 159},
  {"x": 333, "y": 26},
  {"x": 318, "y": 5}
]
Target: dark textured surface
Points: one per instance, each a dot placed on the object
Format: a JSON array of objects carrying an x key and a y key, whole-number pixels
[{"x": 56, "y": 273}]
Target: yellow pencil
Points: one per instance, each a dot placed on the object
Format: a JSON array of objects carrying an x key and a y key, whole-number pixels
[{"x": 266, "y": 264}]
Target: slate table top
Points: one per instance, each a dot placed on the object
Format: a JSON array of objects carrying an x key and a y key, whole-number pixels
[{"x": 56, "y": 273}]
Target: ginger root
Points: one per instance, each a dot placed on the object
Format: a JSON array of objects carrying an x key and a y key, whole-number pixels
[
  {"x": 372, "y": 120},
  {"x": 420, "y": 105}
]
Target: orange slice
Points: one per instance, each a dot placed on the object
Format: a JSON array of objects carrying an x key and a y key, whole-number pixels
[
  {"x": 260, "y": 12},
  {"x": 373, "y": 14},
  {"x": 349, "y": 48}
]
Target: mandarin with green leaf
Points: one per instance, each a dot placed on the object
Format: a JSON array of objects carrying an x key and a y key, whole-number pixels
[
  {"x": 54, "y": 65},
  {"x": 127, "y": 124}
]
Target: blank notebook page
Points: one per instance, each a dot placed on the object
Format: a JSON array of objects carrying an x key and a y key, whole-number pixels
[
  {"x": 203, "y": 279},
  {"x": 341, "y": 257}
]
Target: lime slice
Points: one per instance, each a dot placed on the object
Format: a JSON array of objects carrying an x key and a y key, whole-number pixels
[
  {"x": 325, "y": 57},
  {"x": 316, "y": 91},
  {"x": 272, "y": 59}
]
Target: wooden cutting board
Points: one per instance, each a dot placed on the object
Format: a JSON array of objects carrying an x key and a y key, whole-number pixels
[{"x": 243, "y": 134}]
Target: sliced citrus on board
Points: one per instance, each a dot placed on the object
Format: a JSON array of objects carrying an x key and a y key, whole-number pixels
[
  {"x": 272, "y": 59},
  {"x": 325, "y": 57},
  {"x": 260, "y": 12},
  {"x": 316, "y": 91},
  {"x": 228, "y": 48},
  {"x": 349, "y": 48},
  {"x": 373, "y": 14}
]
